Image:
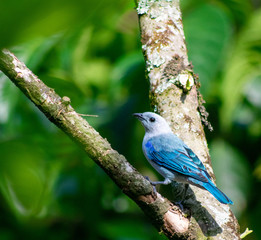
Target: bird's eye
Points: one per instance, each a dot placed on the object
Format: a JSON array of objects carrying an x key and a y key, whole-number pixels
[{"x": 152, "y": 119}]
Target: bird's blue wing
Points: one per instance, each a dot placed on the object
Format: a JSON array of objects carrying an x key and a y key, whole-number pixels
[
  {"x": 196, "y": 160},
  {"x": 179, "y": 158}
]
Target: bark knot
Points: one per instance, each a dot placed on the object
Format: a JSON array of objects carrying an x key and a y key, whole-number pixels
[{"x": 174, "y": 67}]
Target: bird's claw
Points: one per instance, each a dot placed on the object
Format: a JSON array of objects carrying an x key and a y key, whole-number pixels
[
  {"x": 147, "y": 178},
  {"x": 179, "y": 204}
]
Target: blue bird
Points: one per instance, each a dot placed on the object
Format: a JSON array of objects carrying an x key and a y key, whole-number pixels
[{"x": 172, "y": 158}]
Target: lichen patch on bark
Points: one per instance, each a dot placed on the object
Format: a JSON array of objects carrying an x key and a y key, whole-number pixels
[{"x": 174, "y": 95}]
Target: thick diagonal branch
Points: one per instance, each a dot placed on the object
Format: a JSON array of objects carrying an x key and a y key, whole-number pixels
[
  {"x": 166, "y": 217},
  {"x": 174, "y": 94}
]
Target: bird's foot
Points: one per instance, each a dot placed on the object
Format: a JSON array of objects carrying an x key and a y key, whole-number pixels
[{"x": 179, "y": 204}]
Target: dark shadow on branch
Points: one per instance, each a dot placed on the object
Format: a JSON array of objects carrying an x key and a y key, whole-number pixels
[
  {"x": 193, "y": 208},
  {"x": 183, "y": 97}
]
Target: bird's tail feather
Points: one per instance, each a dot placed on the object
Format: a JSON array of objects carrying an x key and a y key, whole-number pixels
[{"x": 218, "y": 194}]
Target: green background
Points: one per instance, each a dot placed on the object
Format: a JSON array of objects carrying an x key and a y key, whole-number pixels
[{"x": 90, "y": 51}]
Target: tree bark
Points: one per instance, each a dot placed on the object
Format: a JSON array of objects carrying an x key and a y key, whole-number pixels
[
  {"x": 174, "y": 95},
  {"x": 166, "y": 217}
]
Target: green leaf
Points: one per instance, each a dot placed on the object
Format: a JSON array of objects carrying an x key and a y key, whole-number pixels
[
  {"x": 25, "y": 181},
  {"x": 239, "y": 9},
  {"x": 243, "y": 66},
  {"x": 120, "y": 230},
  {"x": 232, "y": 173},
  {"x": 257, "y": 171},
  {"x": 23, "y": 20},
  {"x": 9, "y": 98},
  {"x": 207, "y": 30}
]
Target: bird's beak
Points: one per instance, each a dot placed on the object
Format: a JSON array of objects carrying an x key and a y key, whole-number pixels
[{"x": 139, "y": 116}]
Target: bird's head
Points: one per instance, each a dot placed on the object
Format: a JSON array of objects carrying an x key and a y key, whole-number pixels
[{"x": 153, "y": 123}]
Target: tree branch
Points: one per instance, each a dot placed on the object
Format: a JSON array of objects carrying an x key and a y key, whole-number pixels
[
  {"x": 166, "y": 217},
  {"x": 174, "y": 94}
]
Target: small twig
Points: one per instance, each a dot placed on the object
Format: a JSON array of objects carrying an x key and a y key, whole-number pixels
[
  {"x": 245, "y": 233},
  {"x": 87, "y": 115}
]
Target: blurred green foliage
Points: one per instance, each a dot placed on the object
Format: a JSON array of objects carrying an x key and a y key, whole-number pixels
[{"x": 90, "y": 51}]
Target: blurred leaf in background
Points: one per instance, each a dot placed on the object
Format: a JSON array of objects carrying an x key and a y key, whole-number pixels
[
  {"x": 232, "y": 169},
  {"x": 208, "y": 31},
  {"x": 244, "y": 65},
  {"x": 23, "y": 20},
  {"x": 229, "y": 71},
  {"x": 90, "y": 51},
  {"x": 25, "y": 179}
]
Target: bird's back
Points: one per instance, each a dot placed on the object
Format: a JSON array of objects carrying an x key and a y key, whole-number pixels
[{"x": 170, "y": 152}]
